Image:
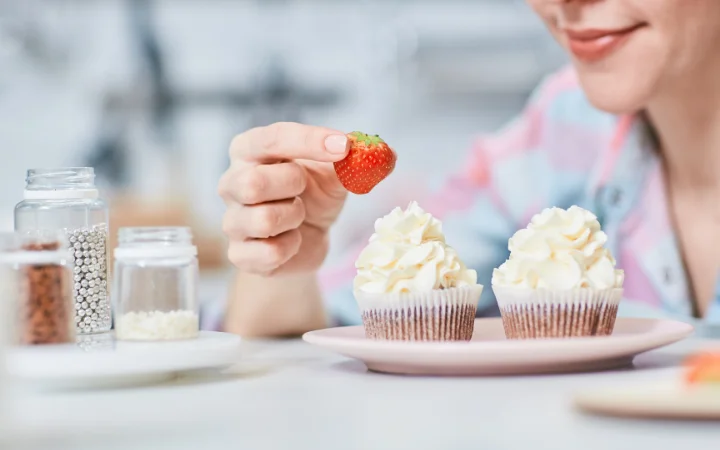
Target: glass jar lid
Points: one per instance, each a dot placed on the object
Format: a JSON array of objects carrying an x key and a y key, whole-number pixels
[
  {"x": 33, "y": 247},
  {"x": 60, "y": 183},
  {"x": 137, "y": 242}
]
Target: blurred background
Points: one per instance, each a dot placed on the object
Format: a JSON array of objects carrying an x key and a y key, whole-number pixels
[{"x": 150, "y": 92}]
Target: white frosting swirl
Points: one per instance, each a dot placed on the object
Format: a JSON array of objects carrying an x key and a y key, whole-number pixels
[
  {"x": 408, "y": 253},
  {"x": 560, "y": 249}
]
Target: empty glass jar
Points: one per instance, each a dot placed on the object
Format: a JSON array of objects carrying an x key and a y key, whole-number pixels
[
  {"x": 155, "y": 284},
  {"x": 67, "y": 199},
  {"x": 36, "y": 285}
]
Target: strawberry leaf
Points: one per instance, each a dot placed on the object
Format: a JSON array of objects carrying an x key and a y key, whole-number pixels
[{"x": 369, "y": 140}]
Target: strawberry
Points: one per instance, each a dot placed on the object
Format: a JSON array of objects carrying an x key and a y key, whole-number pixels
[
  {"x": 369, "y": 161},
  {"x": 703, "y": 368}
]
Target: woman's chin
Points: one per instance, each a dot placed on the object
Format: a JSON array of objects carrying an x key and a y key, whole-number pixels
[
  {"x": 616, "y": 94},
  {"x": 618, "y": 106},
  {"x": 625, "y": 82}
]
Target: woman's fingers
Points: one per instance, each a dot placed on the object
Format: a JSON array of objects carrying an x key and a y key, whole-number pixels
[
  {"x": 274, "y": 170},
  {"x": 264, "y": 256},
  {"x": 263, "y": 220},
  {"x": 287, "y": 141},
  {"x": 254, "y": 184}
]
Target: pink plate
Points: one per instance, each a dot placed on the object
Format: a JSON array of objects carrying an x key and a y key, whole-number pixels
[{"x": 489, "y": 353}]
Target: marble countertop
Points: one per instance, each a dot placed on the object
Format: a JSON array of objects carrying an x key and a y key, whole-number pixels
[{"x": 287, "y": 394}]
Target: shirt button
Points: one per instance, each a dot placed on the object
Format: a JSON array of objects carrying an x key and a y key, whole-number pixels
[{"x": 668, "y": 275}]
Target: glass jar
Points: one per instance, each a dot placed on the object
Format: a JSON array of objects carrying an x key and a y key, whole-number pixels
[
  {"x": 36, "y": 273},
  {"x": 67, "y": 199},
  {"x": 155, "y": 284}
]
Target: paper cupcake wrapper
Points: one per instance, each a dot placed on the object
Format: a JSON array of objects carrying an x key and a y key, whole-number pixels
[
  {"x": 547, "y": 313},
  {"x": 438, "y": 315}
]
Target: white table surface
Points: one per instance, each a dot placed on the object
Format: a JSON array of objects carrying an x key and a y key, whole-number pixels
[{"x": 287, "y": 394}]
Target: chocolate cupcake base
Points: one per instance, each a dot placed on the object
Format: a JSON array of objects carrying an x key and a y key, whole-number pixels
[
  {"x": 449, "y": 323},
  {"x": 533, "y": 321},
  {"x": 529, "y": 314},
  {"x": 440, "y": 315}
]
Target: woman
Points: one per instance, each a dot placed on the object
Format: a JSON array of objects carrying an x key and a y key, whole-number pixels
[{"x": 631, "y": 132}]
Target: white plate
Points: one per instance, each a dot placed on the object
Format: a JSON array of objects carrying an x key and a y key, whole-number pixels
[
  {"x": 671, "y": 401},
  {"x": 489, "y": 353},
  {"x": 100, "y": 360}
]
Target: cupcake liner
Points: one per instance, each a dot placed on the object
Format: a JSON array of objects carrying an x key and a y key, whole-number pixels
[
  {"x": 548, "y": 313},
  {"x": 438, "y": 315}
]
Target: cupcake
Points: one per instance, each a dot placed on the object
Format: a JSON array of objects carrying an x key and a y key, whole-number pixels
[
  {"x": 560, "y": 280},
  {"x": 412, "y": 286}
]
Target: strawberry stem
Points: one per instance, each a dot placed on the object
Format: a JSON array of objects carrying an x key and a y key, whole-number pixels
[{"x": 368, "y": 139}]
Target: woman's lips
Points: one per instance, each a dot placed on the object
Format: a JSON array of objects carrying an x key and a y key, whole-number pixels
[{"x": 593, "y": 45}]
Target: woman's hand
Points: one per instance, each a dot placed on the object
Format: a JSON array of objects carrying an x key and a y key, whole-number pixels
[{"x": 282, "y": 196}]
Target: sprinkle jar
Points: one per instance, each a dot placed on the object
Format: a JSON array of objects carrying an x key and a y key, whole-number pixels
[
  {"x": 155, "y": 284},
  {"x": 66, "y": 199},
  {"x": 36, "y": 274}
]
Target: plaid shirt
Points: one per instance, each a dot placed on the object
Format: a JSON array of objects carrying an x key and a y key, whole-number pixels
[{"x": 560, "y": 151}]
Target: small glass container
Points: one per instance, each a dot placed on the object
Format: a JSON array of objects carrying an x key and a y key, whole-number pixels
[
  {"x": 67, "y": 199},
  {"x": 36, "y": 273},
  {"x": 155, "y": 284}
]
